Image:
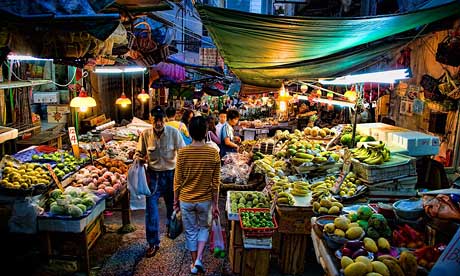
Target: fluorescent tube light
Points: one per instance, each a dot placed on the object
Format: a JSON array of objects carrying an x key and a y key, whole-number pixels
[
  {"x": 23, "y": 57},
  {"x": 110, "y": 70},
  {"x": 377, "y": 77}
]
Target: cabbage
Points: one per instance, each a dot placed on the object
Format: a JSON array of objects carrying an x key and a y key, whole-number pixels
[{"x": 75, "y": 211}]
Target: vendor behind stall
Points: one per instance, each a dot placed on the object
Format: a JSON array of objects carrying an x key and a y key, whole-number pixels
[{"x": 229, "y": 142}]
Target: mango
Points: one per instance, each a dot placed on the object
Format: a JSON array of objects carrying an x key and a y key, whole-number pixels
[
  {"x": 355, "y": 269},
  {"x": 339, "y": 232},
  {"x": 354, "y": 233},
  {"x": 345, "y": 261},
  {"x": 383, "y": 244},
  {"x": 333, "y": 210},
  {"x": 329, "y": 228},
  {"x": 341, "y": 223},
  {"x": 380, "y": 268},
  {"x": 370, "y": 245},
  {"x": 366, "y": 261}
]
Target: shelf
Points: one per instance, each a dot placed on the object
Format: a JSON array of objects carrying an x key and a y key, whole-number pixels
[
  {"x": 19, "y": 84},
  {"x": 7, "y": 133}
]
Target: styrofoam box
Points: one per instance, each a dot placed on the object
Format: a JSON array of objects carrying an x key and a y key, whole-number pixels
[
  {"x": 46, "y": 97},
  {"x": 70, "y": 225},
  {"x": 416, "y": 143}
]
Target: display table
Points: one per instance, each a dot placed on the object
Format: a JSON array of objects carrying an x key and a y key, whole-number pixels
[
  {"x": 323, "y": 254},
  {"x": 74, "y": 237}
]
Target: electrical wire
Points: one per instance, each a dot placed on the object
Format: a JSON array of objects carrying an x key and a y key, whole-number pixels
[{"x": 84, "y": 75}]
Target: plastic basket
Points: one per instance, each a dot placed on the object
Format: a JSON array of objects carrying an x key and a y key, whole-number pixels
[{"x": 259, "y": 232}]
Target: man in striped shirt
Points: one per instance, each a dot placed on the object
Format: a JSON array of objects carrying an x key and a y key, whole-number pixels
[{"x": 158, "y": 146}]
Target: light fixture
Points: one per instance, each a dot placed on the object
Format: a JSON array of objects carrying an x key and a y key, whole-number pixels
[
  {"x": 351, "y": 95},
  {"x": 283, "y": 106},
  {"x": 282, "y": 91},
  {"x": 143, "y": 97},
  {"x": 115, "y": 69},
  {"x": 83, "y": 101},
  {"x": 304, "y": 88},
  {"x": 123, "y": 101},
  {"x": 377, "y": 77},
  {"x": 24, "y": 57}
]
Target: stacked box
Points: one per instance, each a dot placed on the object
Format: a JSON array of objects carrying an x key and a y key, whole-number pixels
[{"x": 416, "y": 143}]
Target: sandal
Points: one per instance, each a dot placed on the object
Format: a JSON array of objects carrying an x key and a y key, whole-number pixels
[
  {"x": 193, "y": 270},
  {"x": 199, "y": 266},
  {"x": 152, "y": 251}
]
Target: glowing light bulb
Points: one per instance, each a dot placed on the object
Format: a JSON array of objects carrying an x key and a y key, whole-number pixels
[
  {"x": 283, "y": 106},
  {"x": 303, "y": 88},
  {"x": 83, "y": 109},
  {"x": 124, "y": 105}
]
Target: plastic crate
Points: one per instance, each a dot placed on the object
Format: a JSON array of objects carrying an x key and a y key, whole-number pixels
[
  {"x": 399, "y": 166},
  {"x": 260, "y": 231}
]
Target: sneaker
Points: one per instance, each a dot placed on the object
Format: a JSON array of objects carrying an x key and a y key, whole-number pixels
[
  {"x": 199, "y": 266},
  {"x": 193, "y": 270}
]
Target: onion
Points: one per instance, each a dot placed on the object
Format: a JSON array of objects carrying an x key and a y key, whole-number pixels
[
  {"x": 102, "y": 186},
  {"x": 100, "y": 191},
  {"x": 110, "y": 190},
  {"x": 117, "y": 186},
  {"x": 92, "y": 186}
]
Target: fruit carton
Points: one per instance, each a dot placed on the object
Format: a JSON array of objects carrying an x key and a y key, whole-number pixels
[{"x": 257, "y": 231}]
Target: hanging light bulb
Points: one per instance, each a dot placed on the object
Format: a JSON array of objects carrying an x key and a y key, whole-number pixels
[
  {"x": 83, "y": 101},
  {"x": 143, "y": 96},
  {"x": 282, "y": 91},
  {"x": 123, "y": 101},
  {"x": 319, "y": 93},
  {"x": 304, "y": 88},
  {"x": 350, "y": 95},
  {"x": 283, "y": 106}
]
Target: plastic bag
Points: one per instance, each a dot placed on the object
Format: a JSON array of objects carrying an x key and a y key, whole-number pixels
[
  {"x": 175, "y": 226},
  {"x": 217, "y": 244},
  {"x": 24, "y": 216},
  {"x": 211, "y": 143},
  {"x": 137, "y": 180}
]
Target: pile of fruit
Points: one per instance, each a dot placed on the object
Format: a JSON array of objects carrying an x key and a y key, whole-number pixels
[
  {"x": 354, "y": 249},
  {"x": 327, "y": 206},
  {"x": 24, "y": 176},
  {"x": 113, "y": 165},
  {"x": 406, "y": 236},
  {"x": 321, "y": 189},
  {"x": 285, "y": 198},
  {"x": 72, "y": 202},
  {"x": 296, "y": 188},
  {"x": 121, "y": 150},
  {"x": 318, "y": 132},
  {"x": 66, "y": 162},
  {"x": 349, "y": 185},
  {"x": 375, "y": 225},
  {"x": 259, "y": 219},
  {"x": 343, "y": 228},
  {"x": 247, "y": 200},
  {"x": 375, "y": 153},
  {"x": 100, "y": 181},
  {"x": 428, "y": 255},
  {"x": 385, "y": 265}
]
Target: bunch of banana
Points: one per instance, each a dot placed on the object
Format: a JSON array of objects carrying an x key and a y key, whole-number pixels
[
  {"x": 285, "y": 199},
  {"x": 320, "y": 190},
  {"x": 374, "y": 154},
  {"x": 300, "y": 188},
  {"x": 280, "y": 185}
]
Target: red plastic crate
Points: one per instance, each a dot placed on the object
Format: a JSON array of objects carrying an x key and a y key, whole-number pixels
[{"x": 260, "y": 231}]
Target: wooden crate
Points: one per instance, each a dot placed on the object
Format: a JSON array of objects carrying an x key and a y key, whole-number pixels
[
  {"x": 236, "y": 234},
  {"x": 294, "y": 220},
  {"x": 293, "y": 253},
  {"x": 235, "y": 256},
  {"x": 256, "y": 262}
]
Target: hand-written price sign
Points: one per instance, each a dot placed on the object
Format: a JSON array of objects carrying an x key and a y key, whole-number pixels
[
  {"x": 55, "y": 178},
  {"x": 74, "y": 141},
  {"x": 344, "y": 172}
]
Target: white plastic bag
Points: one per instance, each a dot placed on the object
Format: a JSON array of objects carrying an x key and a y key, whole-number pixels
[
  {"x": 217, "y": 244},
  {"x": 137, "y": 180},
  {"x": 211, "y": 143}
]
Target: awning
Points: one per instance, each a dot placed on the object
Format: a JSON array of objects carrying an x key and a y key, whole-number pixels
[{"x": 266, "y": 43}]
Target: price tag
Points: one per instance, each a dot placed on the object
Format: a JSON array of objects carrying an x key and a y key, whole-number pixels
[
  {"x": 74, "y": 142},
  {"x": 103, "y": 141},
  {"x": 55, "y": 178}
]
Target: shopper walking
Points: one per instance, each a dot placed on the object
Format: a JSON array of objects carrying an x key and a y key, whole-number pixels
[
  {"x": 196, "y": 183},
  {"x": 158, "y": 146},
  {"x": 179, "y": 125},
  {"x": 212, "y": 134},
  {"x": 229, "y": 141}
]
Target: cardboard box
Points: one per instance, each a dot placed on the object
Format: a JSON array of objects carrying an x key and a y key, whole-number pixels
[
  {"x": 94, "y": 120},
  {"x": 416, "y": 143},
  {"x": 61, "y": 108}
]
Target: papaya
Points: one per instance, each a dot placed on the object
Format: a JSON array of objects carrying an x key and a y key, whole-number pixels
[
  {"x": 370, "y": 245},
  {"x": 354, "y": 233}
]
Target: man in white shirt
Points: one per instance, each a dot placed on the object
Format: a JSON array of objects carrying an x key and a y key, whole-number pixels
[{"x": 222, "y": 121}]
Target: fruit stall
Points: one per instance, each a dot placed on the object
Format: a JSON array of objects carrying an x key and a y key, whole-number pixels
[{"x": 359, "y": 203}]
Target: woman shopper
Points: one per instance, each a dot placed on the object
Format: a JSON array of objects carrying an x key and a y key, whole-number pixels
[
  {"x": 212, "y": 134},
  {"x": 196, "y": 182}
]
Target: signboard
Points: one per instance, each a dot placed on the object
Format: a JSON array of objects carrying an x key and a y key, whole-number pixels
[
  {"x": 448, "y": 263},
  {"x": 74, "y": 142},
  {"x": 55, "y": 178},
  {"x": 345, "y": 170}
]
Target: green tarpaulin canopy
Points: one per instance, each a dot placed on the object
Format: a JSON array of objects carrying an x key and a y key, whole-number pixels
[{"x": 263, "y": 50}]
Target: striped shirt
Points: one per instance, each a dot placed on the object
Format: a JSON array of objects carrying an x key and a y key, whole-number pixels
[{"x": 197, "y": 174}]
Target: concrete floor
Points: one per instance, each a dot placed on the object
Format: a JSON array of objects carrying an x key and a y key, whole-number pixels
[{"x": 117, "y": 254}]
